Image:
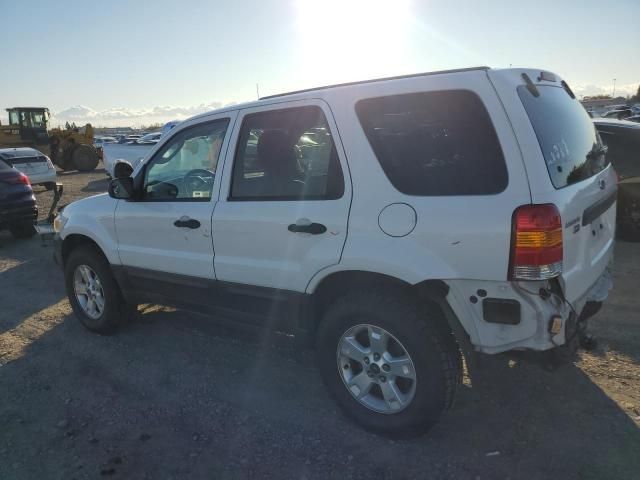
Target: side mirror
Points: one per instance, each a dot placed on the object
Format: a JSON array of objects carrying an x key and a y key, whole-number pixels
[
  {"x": 122, "y": 169},
  {"x": 121, "y": 188}
]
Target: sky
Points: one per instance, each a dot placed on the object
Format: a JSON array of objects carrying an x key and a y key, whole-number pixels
[{"x": 133, "y": 62}]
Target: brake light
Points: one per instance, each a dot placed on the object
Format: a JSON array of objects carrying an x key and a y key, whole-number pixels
[
  {"x": 21, "y": 179},
  {"x": 536, "y": 243}
]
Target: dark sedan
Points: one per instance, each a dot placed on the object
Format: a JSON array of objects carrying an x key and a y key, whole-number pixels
[
  {"x": 623, "y": 141},
  {"x": 18, "y": 209}
]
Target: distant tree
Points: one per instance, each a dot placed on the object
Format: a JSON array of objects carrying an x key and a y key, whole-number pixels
[
  {"x": 636, "y": 97},
  {"x": 151, "y": 128},
  {"x": 598, "y": 97}
]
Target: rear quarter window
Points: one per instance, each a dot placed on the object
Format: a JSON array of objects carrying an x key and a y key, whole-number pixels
[{"x": 435, "y": 143}]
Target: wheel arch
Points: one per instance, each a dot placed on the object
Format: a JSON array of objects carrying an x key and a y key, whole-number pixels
[
  {"x": 430, "y": 292},
  {"x": 75, "y": 240}
]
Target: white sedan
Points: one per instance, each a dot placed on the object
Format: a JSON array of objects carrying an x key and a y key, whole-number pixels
[{"x": 33, "y": 163}]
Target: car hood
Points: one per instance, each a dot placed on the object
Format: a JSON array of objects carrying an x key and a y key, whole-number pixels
[{"x": 97, "y": 206}]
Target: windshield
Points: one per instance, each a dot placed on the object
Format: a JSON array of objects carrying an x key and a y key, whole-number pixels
[
  {"x": 28, "y": 119},
  {"x": 571, "y": 147}
]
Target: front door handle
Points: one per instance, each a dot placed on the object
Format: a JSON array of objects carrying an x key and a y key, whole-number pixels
[
  {"x": 186, "y": 222},
  {"x": 312, "y": 228}
]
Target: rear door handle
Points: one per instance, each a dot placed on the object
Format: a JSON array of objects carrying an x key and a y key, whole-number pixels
[
  {"x": 312, "y": 228},
  {"x": 186, "y": 222}
]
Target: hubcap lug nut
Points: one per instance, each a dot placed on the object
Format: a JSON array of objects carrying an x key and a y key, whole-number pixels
[
  {"x": 386, "y": 367},
  {"x": 383, "y": 378},
  {"x": 370, "y": 374},
  {"x": 366, "y": 360},
  {"x": 376, "y": 357}
]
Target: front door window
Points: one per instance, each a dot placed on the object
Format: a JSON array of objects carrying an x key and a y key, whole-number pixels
[{"x": 184, "y": 169}]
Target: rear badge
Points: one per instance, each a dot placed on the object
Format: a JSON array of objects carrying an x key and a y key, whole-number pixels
[{"x": 602, "y": 184}]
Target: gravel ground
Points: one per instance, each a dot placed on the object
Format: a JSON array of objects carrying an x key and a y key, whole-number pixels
[{"x": 175, "y": 395}]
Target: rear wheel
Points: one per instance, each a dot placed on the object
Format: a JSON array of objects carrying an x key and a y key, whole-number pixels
[
  {"x": 93, "y": 292},
  {"x": 23, "y": 229},
  {"x": 84, "y": 158},
  {"x": 387, "y": 364}
]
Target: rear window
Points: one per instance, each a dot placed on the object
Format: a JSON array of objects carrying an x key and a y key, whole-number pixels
[
  {"x": 570, "y": 145},
  {"x": 435, "y": 143},
  {"x": 21, "y": 160}
]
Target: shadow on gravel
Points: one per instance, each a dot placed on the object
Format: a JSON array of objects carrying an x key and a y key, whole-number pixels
[
  {"x": 73, "y": 173},
  {"x": 29, "y": 283},
  {"x": 96, "y": 186},
  {"x": 174, "y": 395}
]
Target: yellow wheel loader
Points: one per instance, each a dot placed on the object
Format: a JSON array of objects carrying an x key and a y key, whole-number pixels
[{"x": 70, "y": 148}]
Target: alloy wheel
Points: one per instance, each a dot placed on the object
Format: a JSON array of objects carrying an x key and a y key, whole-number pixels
[
  {"x": 88, "y": 290},
  {"x": 376, "y": 369}
]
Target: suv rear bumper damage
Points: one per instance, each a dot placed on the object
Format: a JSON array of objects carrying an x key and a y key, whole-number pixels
[{"x": 503, "y": 316}]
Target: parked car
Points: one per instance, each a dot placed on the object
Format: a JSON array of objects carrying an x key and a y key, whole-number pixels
[
  {"x": 149, "y": 138},
  {"x": 99, "y": 141},
  {"x": 633, "y": 118},
  {"x": 18, "y": 209},
  {"x": 619, "y": 114},
  {"x": 446, "y": 214},
  {"x": 33, "y": 163},
  {"x": 121, "y": 159},
  {"x": 623, "y": 141},
  {"x": 129, "y": 139}
]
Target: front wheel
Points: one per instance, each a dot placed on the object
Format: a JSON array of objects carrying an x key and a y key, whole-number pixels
[
  {"x": 92, "y": 290},
  {"x": 390, "y": 366}
]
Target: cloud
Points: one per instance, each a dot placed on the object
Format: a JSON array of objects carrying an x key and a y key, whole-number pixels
[{"x": 124, "y": 116}]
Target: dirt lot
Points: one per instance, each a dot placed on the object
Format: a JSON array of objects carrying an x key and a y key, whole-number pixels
[{"x": 175, "y": 395}]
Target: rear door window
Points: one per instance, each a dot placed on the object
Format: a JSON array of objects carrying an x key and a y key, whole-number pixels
[
  {"x": 570, "y": 145},
  {"x": 435, "y": 143}
]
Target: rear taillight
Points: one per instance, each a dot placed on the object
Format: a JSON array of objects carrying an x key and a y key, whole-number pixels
[
  {"x": 20, "y": 179},
  {"x": 536, "y": 243}
]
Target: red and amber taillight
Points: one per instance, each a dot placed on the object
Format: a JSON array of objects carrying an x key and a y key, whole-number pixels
[{"x": 536, "y": 243}]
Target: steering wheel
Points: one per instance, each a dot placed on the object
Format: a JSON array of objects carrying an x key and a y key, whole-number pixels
[{"x": 197, "y": 179}]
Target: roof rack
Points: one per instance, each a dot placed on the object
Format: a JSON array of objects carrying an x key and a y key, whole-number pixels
[{"x": 360, "y": 82}]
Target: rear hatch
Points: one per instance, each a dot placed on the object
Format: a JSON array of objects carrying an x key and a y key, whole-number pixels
[{"x": 567, "y": 166}]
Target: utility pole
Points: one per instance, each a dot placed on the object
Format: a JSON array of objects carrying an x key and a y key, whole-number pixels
[
  {"x": 614, "y": 89},
  {"x": 257, "y": 91}
]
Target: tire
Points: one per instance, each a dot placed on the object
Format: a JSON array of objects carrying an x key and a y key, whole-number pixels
[
  {"x": 23, "y": 229},
  {"x": 84, "y": 158},
  {"x": 114, "y": 311},
  {"x": 421, "y": 335}
]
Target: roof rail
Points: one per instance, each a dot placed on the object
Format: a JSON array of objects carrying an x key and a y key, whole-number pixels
[{"x": 360, "y": 82}]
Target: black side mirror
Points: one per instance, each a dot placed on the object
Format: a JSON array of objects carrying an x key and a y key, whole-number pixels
[
  {"x": 122, "y": 169},
  {"x": 121, "y": 188}
]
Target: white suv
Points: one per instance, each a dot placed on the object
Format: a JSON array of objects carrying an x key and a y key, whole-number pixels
[{"x": 401, "y": 223}]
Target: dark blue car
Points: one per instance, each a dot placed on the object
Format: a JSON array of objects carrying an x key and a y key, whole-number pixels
[{"x": 18, "y": 209}]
